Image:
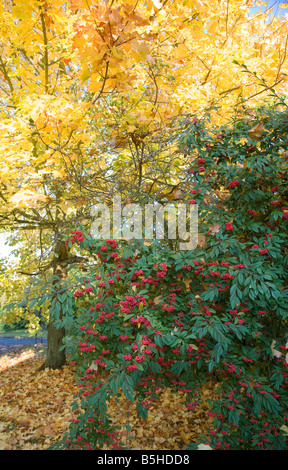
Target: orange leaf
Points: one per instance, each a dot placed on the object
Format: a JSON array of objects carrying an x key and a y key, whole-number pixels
[
  {"x": 202, "y": 241},
  {"x": 256, "y": 131}
]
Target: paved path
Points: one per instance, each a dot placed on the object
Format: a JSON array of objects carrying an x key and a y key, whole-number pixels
[{"x": 9, "y": 344}]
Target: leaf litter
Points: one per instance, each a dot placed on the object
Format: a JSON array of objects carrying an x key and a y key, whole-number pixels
[{"x": 35, "y": 409}]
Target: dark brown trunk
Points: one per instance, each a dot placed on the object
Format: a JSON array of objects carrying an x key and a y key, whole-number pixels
[{"x": 56, "y": 357}]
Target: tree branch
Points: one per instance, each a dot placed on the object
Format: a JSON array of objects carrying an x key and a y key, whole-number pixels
[{"x": 46, "y": 63}]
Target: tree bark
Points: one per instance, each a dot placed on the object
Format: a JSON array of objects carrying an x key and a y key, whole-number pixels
[{"x": 56, "y": 358}]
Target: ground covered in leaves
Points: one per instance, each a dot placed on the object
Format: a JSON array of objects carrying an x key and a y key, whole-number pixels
[{"x": 35, "y": 409}]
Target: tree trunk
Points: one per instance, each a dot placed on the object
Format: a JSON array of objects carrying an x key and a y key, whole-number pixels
[{"x": 56, "y": 358}]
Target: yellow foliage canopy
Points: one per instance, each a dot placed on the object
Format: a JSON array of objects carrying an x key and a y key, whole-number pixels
[{"x": 81, "y": 79}]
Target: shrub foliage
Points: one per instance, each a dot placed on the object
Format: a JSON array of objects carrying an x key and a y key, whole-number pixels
[{"x": 149, "y": 315}]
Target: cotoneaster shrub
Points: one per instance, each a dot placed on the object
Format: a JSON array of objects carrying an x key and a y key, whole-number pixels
[{"x": 158, "y": 317}]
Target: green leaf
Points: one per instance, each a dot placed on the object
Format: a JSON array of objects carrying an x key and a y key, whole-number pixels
[
  {"x": 9, "y": 306},
  {"x": 33, "y": 303}
]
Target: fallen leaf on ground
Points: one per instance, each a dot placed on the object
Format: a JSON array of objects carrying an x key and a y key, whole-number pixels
[{"x": 35, "y": 410}]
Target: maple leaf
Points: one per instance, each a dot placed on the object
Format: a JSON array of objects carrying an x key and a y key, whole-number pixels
[
  {"x": 28, "y": 198},
  {"x": 214, "y": 228}
]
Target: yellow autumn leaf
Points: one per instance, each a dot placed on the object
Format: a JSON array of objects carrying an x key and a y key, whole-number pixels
[
  {"x": 28, "y": 198},
  {"x": 116, "y": 53}
]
